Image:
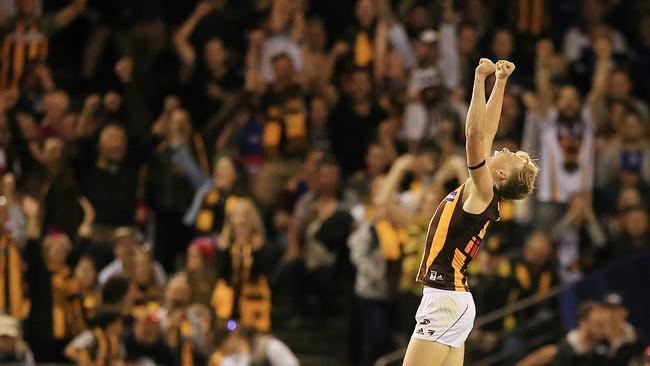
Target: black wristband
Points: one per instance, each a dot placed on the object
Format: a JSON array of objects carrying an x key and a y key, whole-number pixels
[{"x": 477, "y": 165}]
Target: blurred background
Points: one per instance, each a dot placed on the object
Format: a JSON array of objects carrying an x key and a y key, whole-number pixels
[{"x": 250, "y": 182}]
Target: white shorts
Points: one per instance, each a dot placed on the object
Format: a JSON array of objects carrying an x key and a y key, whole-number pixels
[{"x": 446, "y": 317}]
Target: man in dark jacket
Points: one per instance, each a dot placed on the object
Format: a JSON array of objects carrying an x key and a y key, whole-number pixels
[{"x": 586, "y": 345}]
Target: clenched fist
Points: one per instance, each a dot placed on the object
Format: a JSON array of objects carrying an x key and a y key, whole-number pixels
[
  {"x": 504, "y": 69},
  {"x": 485, "y": 67}
]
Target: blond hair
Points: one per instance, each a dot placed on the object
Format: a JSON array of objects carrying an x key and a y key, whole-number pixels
[
  {"x": 252, "y": 217},
  {"x": 522, "y": 182}
]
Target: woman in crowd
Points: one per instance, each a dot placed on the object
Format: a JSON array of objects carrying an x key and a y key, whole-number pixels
[
  {"x": 243, "y": 262},
  {"x": 147, "y": 287},
  {"x": 200, "y": 269},
  {"x": 86, "y": 274},
  {"x": 214, "y": 196}
]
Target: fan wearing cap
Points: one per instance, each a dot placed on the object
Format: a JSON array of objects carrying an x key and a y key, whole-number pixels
[
  {"x": 447, "y": 311},
  {"x": 126, "y": 241},
  {"x": 623, "y": 340},
  {"x": 13, "y": 349}
]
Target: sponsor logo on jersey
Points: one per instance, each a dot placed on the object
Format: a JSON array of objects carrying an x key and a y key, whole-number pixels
[
  {"x": 451, "y": 196},
  {"x": 435, "y": 276}
]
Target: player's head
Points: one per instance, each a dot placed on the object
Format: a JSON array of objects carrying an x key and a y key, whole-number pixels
[{"x": 514, "y": 173}]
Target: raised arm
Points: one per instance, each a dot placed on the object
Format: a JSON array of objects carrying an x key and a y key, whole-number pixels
[
  {"x": 390, "y": 184},
  {"x": 603, "y": 67},
  {"x": 475, "y": 133},
  {"x": 185, "y": 51},
  {"x": 494, "y": 104},
  {"x": 69, "y": 13}
]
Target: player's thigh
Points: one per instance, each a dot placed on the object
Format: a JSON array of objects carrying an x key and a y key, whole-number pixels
[
  {"x": 419, "y": 353},
  {"x": 455, "y": 357}
]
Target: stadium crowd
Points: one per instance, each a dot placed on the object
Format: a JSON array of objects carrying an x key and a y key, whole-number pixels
[{"x": 174, "y": 171}]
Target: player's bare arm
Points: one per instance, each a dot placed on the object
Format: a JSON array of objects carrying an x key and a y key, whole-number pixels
[
  {"x": 480, "y": 183},
  {"x": 494, "y": 104}
]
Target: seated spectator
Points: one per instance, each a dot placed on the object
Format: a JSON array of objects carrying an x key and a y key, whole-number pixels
[
  {"x": 634, "y": 233},
  {"x": 180, "y": 326},
  {"x": 126, "y": 242},
  {"x": 244, "y": 262},
  {"x": 624, "y": 343},
  {"x": 144, "y": 277},
  {"x": 13, "y": 349},
  {"x": 100, "y": 344},
  {"x": 145, "y": 343},
  {"x": 247, "y": 346},
  {"x": 585, "y": 344},
  {"x": 118, "y": 294}
]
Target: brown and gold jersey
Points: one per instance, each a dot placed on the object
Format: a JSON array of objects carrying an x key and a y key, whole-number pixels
[
  {"x": 25, "y": 43},
  {"x": 452, "y": 241}
]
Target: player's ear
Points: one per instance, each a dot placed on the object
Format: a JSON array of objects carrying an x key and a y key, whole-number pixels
[{"x": 500, "y": 175}]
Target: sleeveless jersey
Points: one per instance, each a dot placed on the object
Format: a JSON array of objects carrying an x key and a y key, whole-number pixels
[{"x": 452, "y": 241}]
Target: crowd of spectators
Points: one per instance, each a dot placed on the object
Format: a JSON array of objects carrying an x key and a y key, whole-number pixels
[{"x": 173, "y": 171}]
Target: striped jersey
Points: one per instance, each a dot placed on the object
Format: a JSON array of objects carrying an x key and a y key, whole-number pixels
[
  {"x": 452, "y": 241},
  {"x": 24, "y": 43}
]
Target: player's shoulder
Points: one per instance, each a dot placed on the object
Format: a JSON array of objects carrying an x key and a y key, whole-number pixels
[{"x": 473, "y": 201}]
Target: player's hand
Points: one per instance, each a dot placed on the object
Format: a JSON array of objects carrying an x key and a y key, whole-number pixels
[
  {"x": 504, "y": 69},
  {"x": 485, "y": 67}
]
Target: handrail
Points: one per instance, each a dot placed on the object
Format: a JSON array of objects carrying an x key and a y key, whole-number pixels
[
  {"x": 485, "y": 319},
  {"x": 518, "y": 305}
]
